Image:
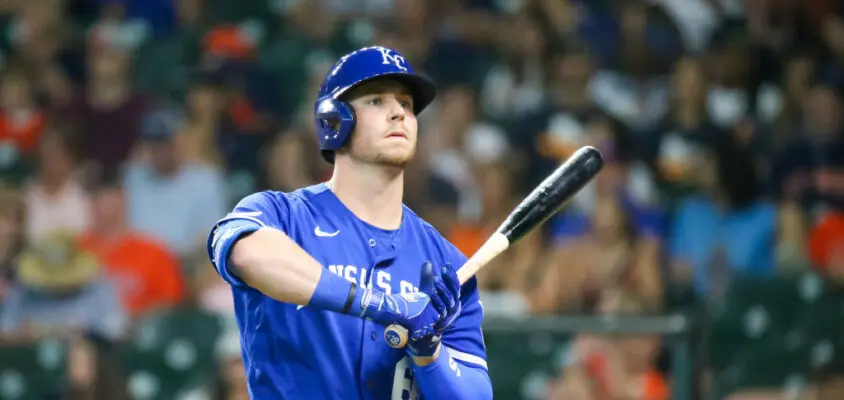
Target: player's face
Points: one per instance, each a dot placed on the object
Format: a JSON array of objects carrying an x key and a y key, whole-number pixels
[{"x": 385, "y": 131}]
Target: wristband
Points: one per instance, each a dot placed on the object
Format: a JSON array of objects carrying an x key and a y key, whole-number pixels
[
  {"x": 334, "y": 293},
  {"x": 353, "y": 289}
]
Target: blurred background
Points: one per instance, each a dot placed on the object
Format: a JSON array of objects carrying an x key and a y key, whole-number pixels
[{"x": 706, "y": 261}]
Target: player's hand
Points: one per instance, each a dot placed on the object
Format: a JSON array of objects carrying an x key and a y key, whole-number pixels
[
  {"x": 448, "y": 292},
  {"x": 418, "y": 312},
  {"x": 425, "y": 350},
  {"x": 445, "y": 293}
]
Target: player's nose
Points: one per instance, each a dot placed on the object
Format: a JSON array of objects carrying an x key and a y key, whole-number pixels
[{"x": 397, "y": 112}]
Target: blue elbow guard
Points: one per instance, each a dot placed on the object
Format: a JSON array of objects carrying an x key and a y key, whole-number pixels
[{"x": 221, "y": 240}]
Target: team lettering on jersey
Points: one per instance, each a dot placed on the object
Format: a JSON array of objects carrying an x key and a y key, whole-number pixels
[{"x": 382, "y": 280}]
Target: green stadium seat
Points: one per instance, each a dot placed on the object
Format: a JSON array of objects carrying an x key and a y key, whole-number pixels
[
  {"x": 736, "y": 329},
  {"x": 757, "y": 310},
  {"x": 166, "y": 373},
  {"x": 173, "y": 352},
  {"x": 783, "y": 295},
  {"x": 822, "y": 325},
  {"x": 776, "y": 332},
  {"x": 14, "y": 169},
  {"x": 160, "y": 328},
  {"x": 779, "y": 362},
  {"x": 519, "y": 361},
  {"x": 33, "y": 371}
]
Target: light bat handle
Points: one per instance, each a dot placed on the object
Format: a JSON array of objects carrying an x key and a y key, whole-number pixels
[
  {"x": 397, "y": 335},
  {"x": 543, "y": 201}
]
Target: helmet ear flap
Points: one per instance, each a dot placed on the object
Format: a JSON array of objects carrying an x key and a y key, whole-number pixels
[{"x": 335, "y": 121}]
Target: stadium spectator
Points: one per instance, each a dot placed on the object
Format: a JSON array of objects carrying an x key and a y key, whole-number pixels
[
  {"x": 546, "y": 137},
  {"x": 507, "y": 281},
  {"x": 826, "y": 245},
  {"x": 444, "y": 142},
  {"x": 607, "y": 256},
  {"x": 107, "y": 111},
  {"x": 172, "y": 200},
  {"x": 728, "y": 228},
  {"x": 719, "y": 121},
  {"x": 793, "y": 235},
  {"x": 147, "y": 274},
  {"x": 197, "y": 140},
  {"x": 514, "y": 84},
  {"x": 809, "y": 169},
  {"x": 61, "y": 290},
  {"x": 730, "y": 96},
  {"x": 681, "y": 136},
  {"x": 630, "y": 85},
  {"x": 21, "y": 120},
  {"x": 801, "y": 70},
  {"x": 613, "y": 367},
  {"x": 11, "y": 237},
  {"x": 55, "y": 197},
  {"x": 93, "y": 371},
  {"x": 287, "y": 163}
]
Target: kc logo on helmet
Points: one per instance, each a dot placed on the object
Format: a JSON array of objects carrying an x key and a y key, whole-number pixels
[{"x": 390, "y": 57}]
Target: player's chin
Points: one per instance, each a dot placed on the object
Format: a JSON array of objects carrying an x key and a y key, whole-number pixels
[{"x": 398, "y": 156}]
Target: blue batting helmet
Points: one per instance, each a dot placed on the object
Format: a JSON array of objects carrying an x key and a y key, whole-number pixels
[{"x": 335, "y": 118}]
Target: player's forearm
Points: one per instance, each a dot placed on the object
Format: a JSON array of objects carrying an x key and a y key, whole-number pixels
[
  {"x": 270, "y": 262},
  {"x": 447, "y": 379},
  {"x": 247, "y": 253}
]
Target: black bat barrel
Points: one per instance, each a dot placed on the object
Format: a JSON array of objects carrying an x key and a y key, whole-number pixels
[{"x": 549, "y": 197}]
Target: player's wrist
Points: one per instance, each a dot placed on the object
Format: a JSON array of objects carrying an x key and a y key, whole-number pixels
[
  {"x": 370, "y": 305},
  {"x": 386, "y": 309},
  {"x": 334, "y": 293},
  {"x": 426, "y": 350},
  {"x": 429, "y": 357}
]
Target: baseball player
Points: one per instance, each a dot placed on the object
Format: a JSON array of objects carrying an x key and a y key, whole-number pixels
[{"x": 318, "y": 273}]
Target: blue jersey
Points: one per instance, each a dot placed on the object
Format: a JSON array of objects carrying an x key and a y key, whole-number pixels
[{"x": 295, "y": 352}]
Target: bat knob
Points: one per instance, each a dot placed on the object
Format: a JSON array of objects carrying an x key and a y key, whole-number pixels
[{"x": 396, "y": 336}]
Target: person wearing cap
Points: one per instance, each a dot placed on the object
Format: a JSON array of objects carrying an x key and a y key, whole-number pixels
[
  {"x": 168, "y": 198},
  {"x": 61, "y": 290},
  {"x": 318, "y": 274}
]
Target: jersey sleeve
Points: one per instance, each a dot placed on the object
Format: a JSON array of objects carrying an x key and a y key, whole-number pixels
[
  {"x": 253, "y": 212},
  {"x": 464, "y": 340}
]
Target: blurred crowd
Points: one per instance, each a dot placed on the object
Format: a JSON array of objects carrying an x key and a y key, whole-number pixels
[{"x": 127, "y": 127}]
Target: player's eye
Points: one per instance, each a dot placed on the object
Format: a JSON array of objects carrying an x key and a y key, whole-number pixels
[
  {"x": 375, "y": 101},
  {"x": 406, "y": 104}
]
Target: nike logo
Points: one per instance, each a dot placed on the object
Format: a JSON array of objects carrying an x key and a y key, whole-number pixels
[
  {"x": 321, "y": 233},
  {"x": 299, "y": 307}
]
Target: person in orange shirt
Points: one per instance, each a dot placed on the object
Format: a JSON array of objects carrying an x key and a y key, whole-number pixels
[
  {"x": 826, "y": 245},
  {"x": 147, "y": 274},
  {"x": 21, "y": 121},
  {"x": 607, "y": 367}
]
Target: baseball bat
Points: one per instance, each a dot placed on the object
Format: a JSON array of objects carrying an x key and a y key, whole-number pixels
[{"x": 543, "y": 202}]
